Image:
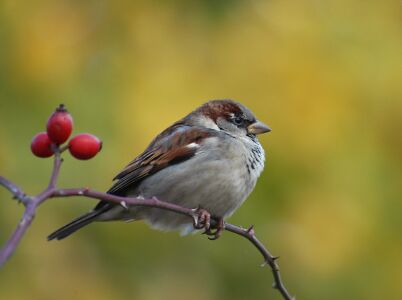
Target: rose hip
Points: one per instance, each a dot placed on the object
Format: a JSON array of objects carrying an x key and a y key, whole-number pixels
[
  {"x": 84, "y": 146},
  {"x": 41, "y": 145},
  {"x": 60, "y": 125}
]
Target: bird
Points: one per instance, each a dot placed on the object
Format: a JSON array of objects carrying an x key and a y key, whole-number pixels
[{"x": 209, "y": 160}]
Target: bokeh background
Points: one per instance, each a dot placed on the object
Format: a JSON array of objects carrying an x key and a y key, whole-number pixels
[{"x": 325, "y": 75}]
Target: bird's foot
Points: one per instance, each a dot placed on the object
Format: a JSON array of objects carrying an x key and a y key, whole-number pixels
[
  {"x": 202, "y": 219},
  {"x": 217, "y": 232}
]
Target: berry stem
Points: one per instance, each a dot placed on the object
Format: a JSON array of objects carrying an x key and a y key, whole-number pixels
[{"x": 56, "y": 169}]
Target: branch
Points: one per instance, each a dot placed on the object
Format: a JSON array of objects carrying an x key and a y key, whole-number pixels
[
  {"x": 19, "y": 232},
  {"x": 31, "y": 204},
  {"x": 269, "y": 259},
  {"x": 249, "y": 233},
  {"x": 13, "y": 189}
]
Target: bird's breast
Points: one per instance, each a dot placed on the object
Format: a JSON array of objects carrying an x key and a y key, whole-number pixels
[{"x": 218, "y": 178}]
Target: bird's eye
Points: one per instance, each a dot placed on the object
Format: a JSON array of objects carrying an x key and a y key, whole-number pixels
[{"x": 238, "y": 121}]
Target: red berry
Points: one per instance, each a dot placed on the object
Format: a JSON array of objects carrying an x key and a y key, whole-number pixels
[
  {"x": 41, "y": 145},
  {"x": 59, "y": 125},
  {"x": 84, "y": 146}
]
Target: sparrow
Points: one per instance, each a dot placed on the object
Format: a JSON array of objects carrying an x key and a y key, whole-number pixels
[{"x": 209, "y": 160}]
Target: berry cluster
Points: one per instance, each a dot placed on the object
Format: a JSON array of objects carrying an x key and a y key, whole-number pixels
[{"x": 58, "y": 130}]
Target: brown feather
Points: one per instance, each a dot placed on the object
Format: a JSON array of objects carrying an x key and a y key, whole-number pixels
[{"x": 169, "y": 148}]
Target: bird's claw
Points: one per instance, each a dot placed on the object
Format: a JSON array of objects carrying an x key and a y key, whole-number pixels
[
  {"x": 202, "y": 219},
  {"x": 214, "y": 235}
]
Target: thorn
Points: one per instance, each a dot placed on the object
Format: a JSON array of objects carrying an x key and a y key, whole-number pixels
[
  {"x": 264, "y": 264},
  {"x": 274, "y": 258},
  {"x": 250, "y": 230},
  {"x": 274, "y": 285},
  {"x": 141, "y": 197},
  {"x": 124, "y": 204}
]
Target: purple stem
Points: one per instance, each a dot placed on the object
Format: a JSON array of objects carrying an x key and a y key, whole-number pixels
[
  {"x": 31, "y": 203},
  {"x": 17, "y": 235},
  {"x": 56, "y": 169},
  {"x": 124, "y": 201},
  {"x": 269, "y": 259},
  {"x": 13, "y": 189}
]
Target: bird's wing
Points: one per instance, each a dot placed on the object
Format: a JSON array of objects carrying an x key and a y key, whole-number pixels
[{"x": 180, "y": 143}]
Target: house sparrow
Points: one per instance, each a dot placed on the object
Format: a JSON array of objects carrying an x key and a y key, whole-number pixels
[{"x": 210, "y": 159}]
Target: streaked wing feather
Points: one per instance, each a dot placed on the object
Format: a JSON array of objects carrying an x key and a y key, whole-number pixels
[{"x": 166, "y": 150}]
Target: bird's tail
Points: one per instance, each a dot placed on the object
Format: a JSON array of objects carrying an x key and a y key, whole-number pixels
[{"x": 76, "y": 224}]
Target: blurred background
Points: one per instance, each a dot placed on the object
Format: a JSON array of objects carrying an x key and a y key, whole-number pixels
[{"x": 325, "y": 75}]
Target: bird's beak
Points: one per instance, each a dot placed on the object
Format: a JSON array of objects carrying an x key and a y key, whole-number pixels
[{"x": 258, "y": 127}]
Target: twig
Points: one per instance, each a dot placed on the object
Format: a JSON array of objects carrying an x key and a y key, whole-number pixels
[
  {"x": 19, "y": 232},
  {"x": 56, "y": 169},
  {"x": 13, "y": 189},
  {"x": 31, "y": 204},
  {"x": 269, "y": 259}
]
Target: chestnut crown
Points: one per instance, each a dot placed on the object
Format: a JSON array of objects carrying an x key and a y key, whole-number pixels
[{"x": 230, "y": 116}]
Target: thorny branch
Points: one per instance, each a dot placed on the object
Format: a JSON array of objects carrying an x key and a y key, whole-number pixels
[{"x": 31, "y": 203}]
